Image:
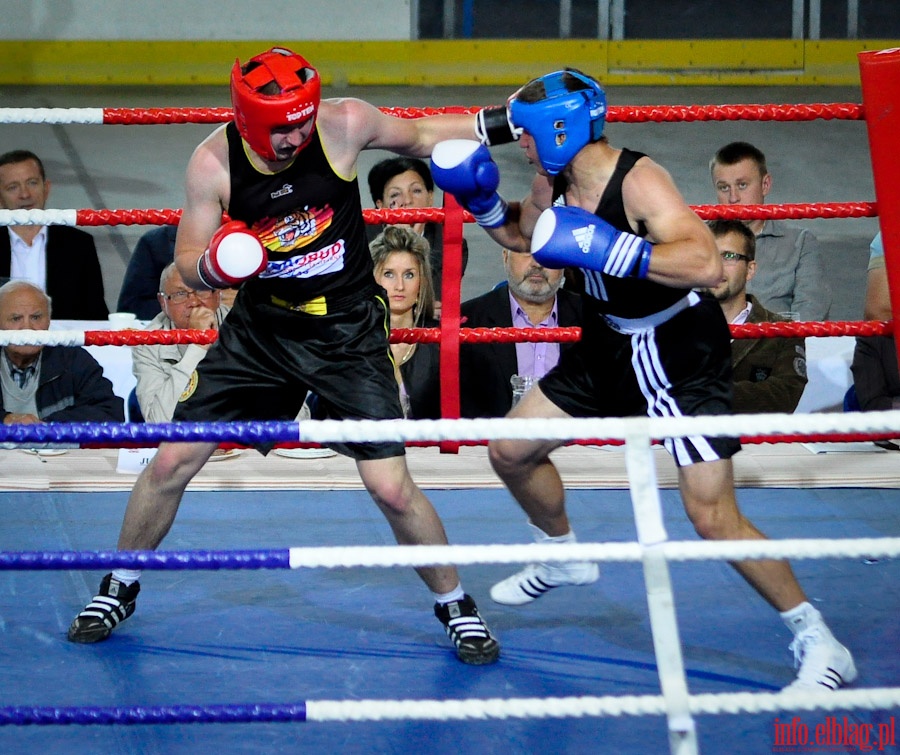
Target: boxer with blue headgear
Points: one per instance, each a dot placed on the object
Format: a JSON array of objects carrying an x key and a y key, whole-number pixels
[
  {"x": 563, "y": 111},
  {"x": 651, "y": 345}
]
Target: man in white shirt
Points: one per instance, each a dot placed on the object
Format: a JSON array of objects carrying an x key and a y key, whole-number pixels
[{"x": 60, "y": 260}]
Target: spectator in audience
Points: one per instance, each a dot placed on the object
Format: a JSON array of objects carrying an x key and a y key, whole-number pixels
[
  {"x": 140, "y": 286},
  {"x": 60, "y": 260},
  {"x": 769, "y": 373},
  {"x": 876, "y": 377},
  {"x": 167, "y": 372},
  {"x": 403, "y": 183},
  {"x": 402, "y": 268},
  {"x": 790, "y": 274},
  {"x": 878, "y": 300},
  {"x": 531, "y": 297},
  {"x": 48, "y": 383}
]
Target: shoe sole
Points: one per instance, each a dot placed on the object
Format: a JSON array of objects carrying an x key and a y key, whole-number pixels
[
  {"x": 88, "y": 636},
  {"x": 478, "y": 657},
  {"x": 843, "y": 678}
]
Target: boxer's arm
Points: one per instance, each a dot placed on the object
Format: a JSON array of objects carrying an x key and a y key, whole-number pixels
[
  {"x": 685, "y": 253},
  {"x": 522, "y": 217},
  {"x": 206, "y": 195},
  {"x": 359, "y": 125}
]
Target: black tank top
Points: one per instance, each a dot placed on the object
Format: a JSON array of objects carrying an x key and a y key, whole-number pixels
[
  {"x": 310, "y": 221},
  {"x": 621, "y": 297}
]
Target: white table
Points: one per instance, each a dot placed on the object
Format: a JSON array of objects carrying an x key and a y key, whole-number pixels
[
  {"x": 115, "y": 360},
  {"x": 828, "y": 363}
]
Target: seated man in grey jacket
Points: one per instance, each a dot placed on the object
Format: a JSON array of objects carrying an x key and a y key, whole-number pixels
[
  {"x": 790, "y": 274},
  {"x": 48, "y": 383},
  {"x": 166, "y": 372}
]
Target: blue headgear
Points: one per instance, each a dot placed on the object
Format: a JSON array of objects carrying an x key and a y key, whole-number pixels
[{"x": 563, "y": 122}]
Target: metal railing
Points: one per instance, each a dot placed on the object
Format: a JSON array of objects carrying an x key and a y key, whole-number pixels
[{"x": 611, "y": 19}]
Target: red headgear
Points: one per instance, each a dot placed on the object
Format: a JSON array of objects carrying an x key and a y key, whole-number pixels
[{"x": 256, "y": 114}]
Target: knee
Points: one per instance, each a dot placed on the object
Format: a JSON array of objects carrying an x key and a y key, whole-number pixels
[
  {"x": 393, "y": 495},
  {"x": 504, "y": 459},
  {"x": 171, "y": 467},
  {"x": 714, "y": 520},
  {"x": 705, "y": 525}
]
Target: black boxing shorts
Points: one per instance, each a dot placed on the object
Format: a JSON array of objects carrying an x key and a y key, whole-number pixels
[
  {"x": 678, "y": 368},
  {"x": 267, "y": 358}
]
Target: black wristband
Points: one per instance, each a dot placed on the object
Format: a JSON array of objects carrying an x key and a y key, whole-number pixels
[
  {"x": 492, "y": 126},
  {"x": 206, "y": 276}
]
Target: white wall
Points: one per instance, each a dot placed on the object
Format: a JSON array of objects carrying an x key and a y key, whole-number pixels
[{"x": 205, "y": 19}]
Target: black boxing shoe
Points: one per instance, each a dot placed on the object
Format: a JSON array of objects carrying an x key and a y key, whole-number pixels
[
  {"x": 474, "y": 642},
  {"x": 112, "y": 605}
]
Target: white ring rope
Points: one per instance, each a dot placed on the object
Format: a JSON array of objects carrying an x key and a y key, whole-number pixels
[
  {"x": 42, "y": 338},
  {"x": 876, "y": 698},
  {"x": 336, "y": 557},
  {"x": 51, "y": 115},
  {"x": 336, "y": 431},
  {"x": 38, "y": 217}
]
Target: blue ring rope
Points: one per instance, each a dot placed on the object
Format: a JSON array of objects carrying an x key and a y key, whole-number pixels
[
  {"x": 24, "y": 715},
  {"x": 200, "y": 560},
  {"x": 244, "y": 433}
]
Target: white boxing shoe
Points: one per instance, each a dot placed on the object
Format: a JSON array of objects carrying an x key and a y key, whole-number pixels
[
  {"x": 536, "y": 579},
  {"x": 822, "y": 662}
]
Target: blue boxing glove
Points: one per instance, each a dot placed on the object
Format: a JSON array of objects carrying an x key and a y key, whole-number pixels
[
  {"x": 570, "y": 236},
  {"x": 466, "y": 169}
]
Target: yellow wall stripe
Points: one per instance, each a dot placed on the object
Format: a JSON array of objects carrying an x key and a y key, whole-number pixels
[{"x": 445, "y": 62}]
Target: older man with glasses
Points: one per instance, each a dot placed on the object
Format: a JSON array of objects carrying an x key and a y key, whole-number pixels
[
  {"x": 166, "y": 373},
  {"x": 769, "y": 373}
]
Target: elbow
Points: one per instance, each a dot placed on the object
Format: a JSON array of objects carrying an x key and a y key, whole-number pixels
[{"x": 709, "y": 273}]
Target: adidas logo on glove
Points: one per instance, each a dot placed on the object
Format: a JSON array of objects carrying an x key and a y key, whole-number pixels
[{"x": 583, "y": 237}]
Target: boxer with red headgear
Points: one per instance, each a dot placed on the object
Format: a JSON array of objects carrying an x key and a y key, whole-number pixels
[
  {"x": 308, "y": 315},
  {"x": 651, "y": 345},
  {"x": 275, "y": 91}
]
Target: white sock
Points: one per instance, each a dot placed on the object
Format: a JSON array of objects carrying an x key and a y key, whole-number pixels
[
  {"x": 542, "y": 537},
  {"x": 449, "y": 597},
  {"x": 127, "y": 576},
  {"x": 801, "y": 618}
]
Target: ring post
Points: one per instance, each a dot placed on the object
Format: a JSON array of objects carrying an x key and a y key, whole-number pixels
[
  {"x": 651, "y": 531},
  {"x": 451, "y": 285},
  {"x": 880, "y": 77}
]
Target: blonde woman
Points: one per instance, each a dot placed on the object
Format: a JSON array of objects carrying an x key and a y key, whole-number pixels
[
  {"x": 403, "y": 269},
  {"x": 405, "y": 183}
]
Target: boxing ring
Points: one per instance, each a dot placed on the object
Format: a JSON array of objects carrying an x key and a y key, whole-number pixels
[{"x": 578, "y": 672}]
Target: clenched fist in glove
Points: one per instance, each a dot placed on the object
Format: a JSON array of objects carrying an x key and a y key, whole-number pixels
[
  {"x": 571, "y": 236},
  {"x": 466, "y": 169},
  {"x": 235, "y": 254}
]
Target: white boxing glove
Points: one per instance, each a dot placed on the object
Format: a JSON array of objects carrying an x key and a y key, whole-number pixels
[{"x": 235, "y": 254}]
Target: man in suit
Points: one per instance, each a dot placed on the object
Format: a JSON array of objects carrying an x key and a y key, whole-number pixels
[
  {"x": 154, "y": 251},
  {"x": 531, "y": 297},
  {"x": 60, "y": 260}
]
